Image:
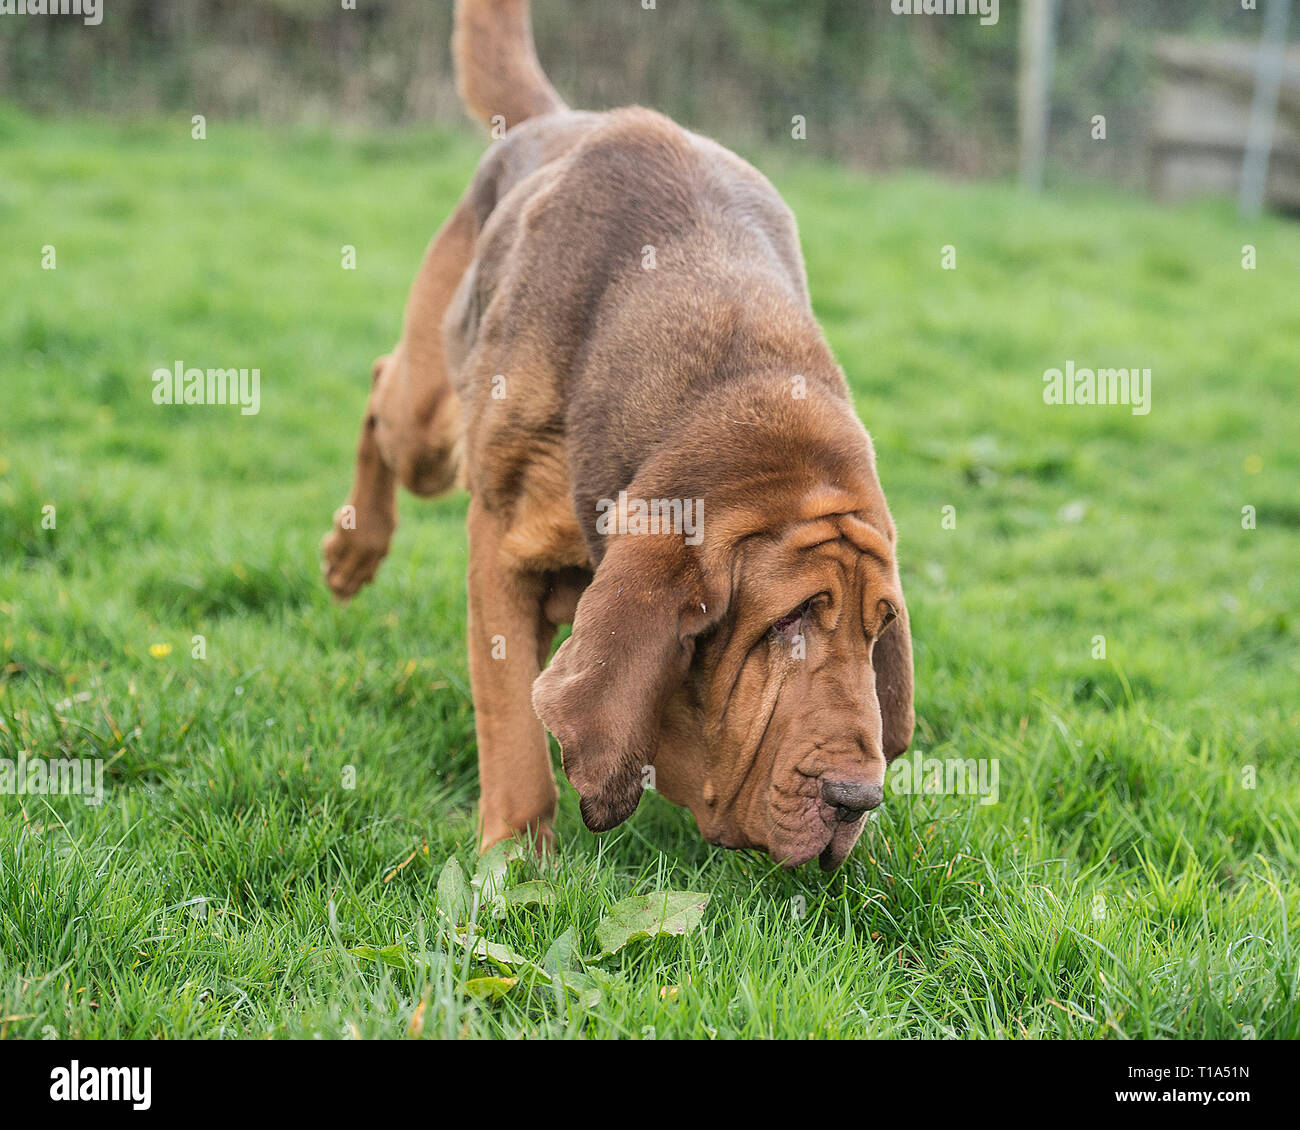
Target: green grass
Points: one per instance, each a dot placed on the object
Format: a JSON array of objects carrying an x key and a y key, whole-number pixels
[{"x": 1127, "y": 883}]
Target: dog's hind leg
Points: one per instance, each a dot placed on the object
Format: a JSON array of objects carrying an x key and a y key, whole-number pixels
[
  {"x": 420, "y": 417},
  {"x": 411, "y": 431},
  {"x": 363, "y": 526}
]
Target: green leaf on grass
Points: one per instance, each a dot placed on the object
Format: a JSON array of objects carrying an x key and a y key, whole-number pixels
[
  {"x": 503, "y": 957},
  {"x": 557, "y": 968},
  {"x": 564, "y": 967},
  {"x": 645, "y": 916},
  {"x": 453, "y": 893},
  {"x": 534, "y": 892},
  {"x": 394, "y": 955},
  {"x": 490, "y": 988},
  {"x": 560, "y": 956},
  {"x": 490, "y": 872}
]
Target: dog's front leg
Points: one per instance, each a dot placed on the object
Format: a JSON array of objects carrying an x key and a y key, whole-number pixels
[
  {"x": 509, "y": 636},
  {"x": 364, "y": 525}
]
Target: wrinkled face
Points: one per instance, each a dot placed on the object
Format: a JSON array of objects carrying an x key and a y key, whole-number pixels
[
  {"x": 766, "y": 693},
  {"x": 780, "y": 705}
]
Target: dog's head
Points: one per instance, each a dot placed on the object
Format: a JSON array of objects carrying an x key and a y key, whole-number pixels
[{"x": 762, "y": 677}]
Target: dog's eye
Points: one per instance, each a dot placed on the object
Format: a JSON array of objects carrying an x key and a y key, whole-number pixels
[
  {"x": 791, "y": 619},
  {"x": 888, "y": 614}
]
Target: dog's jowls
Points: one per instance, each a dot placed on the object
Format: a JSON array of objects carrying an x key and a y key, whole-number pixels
[{"x": 619, "y": 305}]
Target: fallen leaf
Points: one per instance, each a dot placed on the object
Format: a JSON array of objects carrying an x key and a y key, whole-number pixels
[
  {"x": 645, "y": 916},
  {"x": 490, "y": 872},
  {"x": 490, "y": 988},
  {"x": 394, "y": 955},
  {"x": 534, "y": 892},
  {"x": 453, "y": 897}
]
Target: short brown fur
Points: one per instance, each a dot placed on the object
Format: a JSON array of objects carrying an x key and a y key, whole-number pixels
[{"x": 620, "y": 305}]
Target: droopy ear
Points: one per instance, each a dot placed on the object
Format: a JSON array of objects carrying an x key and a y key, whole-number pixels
[
  {"x": 892, "y": 659},
  {"x": 633, "y": 640}
]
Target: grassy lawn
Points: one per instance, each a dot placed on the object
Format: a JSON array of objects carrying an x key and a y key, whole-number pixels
[{"x": 1136, "y": 876}]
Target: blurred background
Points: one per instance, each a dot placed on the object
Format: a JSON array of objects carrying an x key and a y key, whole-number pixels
[{"x": 1174, "y": 78}]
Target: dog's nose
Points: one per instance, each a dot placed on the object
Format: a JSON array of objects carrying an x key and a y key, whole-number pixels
[{"x": 852, "y": 798}]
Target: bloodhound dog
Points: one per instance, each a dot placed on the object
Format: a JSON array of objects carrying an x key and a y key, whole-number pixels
[{"x": 611, "y": 346}]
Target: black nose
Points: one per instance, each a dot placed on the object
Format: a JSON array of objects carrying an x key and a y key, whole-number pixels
[{"x": 852, "y": 798}]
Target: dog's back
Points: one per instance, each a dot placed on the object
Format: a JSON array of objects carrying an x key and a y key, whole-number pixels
[{"x": 672, "y": 268}]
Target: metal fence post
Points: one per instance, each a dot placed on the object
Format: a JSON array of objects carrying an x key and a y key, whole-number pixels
[{"x": 1263, "y": 109}]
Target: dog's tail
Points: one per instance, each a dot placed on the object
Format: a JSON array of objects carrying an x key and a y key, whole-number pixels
[{"x": 497, "y": 72}]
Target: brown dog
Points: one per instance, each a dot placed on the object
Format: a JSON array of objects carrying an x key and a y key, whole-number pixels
[{"x": 610, "y": 345}]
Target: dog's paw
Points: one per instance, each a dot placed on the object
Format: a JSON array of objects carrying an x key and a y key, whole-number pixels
[
  {"x": 537, "y": 837},
  {"x": 350, "y": 559}
]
